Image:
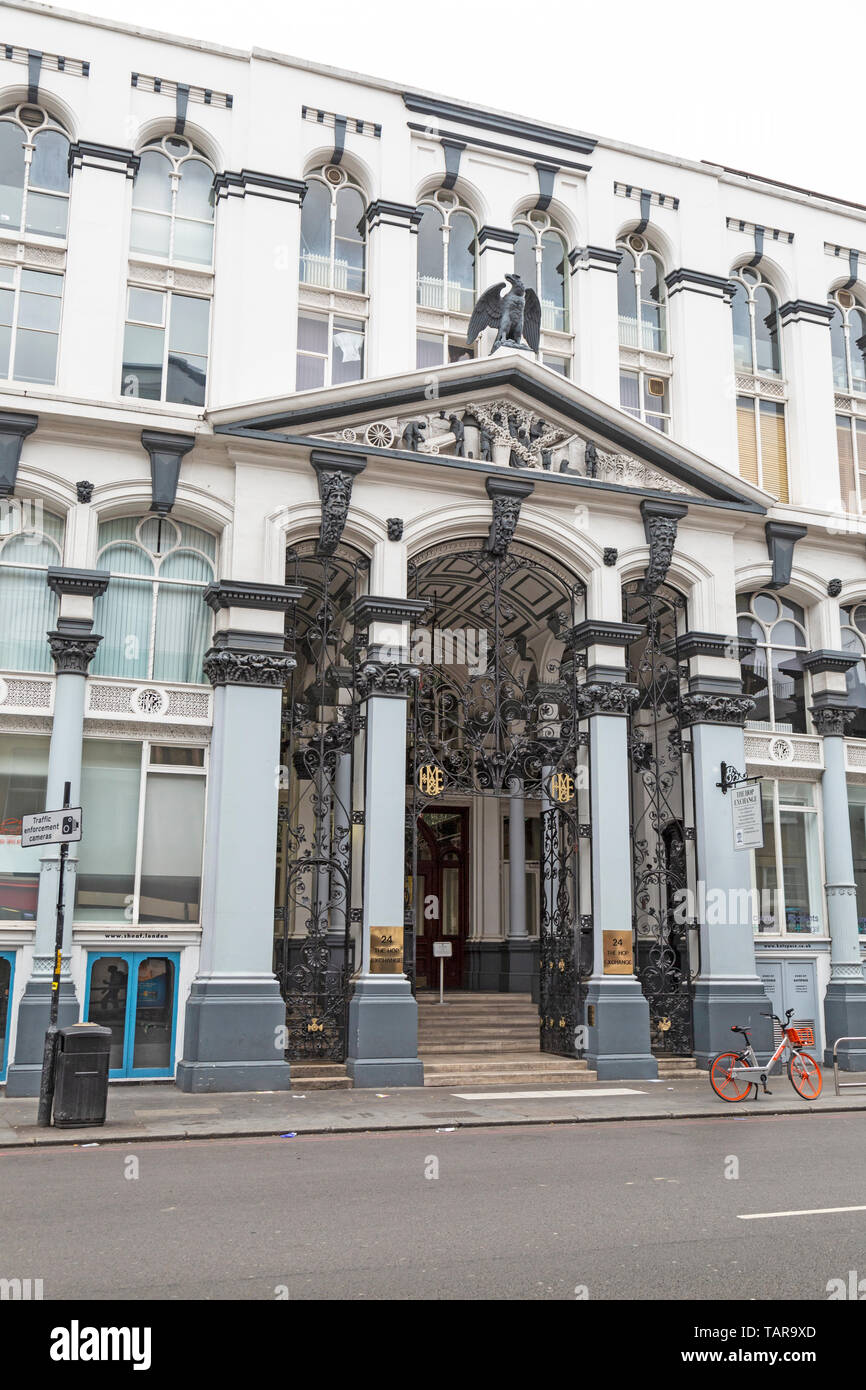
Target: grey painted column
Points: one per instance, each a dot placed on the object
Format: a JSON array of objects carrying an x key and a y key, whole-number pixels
[
  {"x": 235, "y": 1015},
  {"x": 845, "y": 1000},
  {"x": 521, "y": 956},
  {"x": 618, "y": 1037},
  {"x": 383, "y": 1015},
  {"x": 73, "y": 646},
  {"x": 727, "y": 989}
]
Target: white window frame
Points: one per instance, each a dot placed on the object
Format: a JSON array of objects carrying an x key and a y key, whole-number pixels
[
  {"x": 316, "y": 312},
  {"x": 816, "y": 890},
  {"x": 448, "y": 204},
  {"x": 194, "y": 154},
  {"x": 12, "y": 116},
  {"x": 769, "y": 646},
  {"x": 334, "y": 179},
  {"x": 168, "y": 296}
]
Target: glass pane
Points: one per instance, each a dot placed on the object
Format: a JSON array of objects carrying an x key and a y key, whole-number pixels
[
  {"x": 195, "y": 190},
  {"x": 310, "y": 373},
  {"x": 123, "y": 615},
  {"x": 39, "y": 311},
  {"x": 626, "y": 294},
  {"x": 459, "y": 352},
  {"x": 857, "y": 338},
  {"x": 5, "y": 349},
  {"x": 110, "y": 779},
  {"x": 450, "y": 901},
  {"x": 146, "y": 306},
  {"x": 857, "y": 821},
  {"x": 142, "y": 362},
  {"x": 557, "y": 364},
  {"x": 315, "y": 265},
  {"x": 312, "y": 334},
  {"x": 7, "y": 307},
  {"x": 28, "y": 610},
  {"x": 154, "y": 1013},
  {"x": 554, "y": 281},
  {"x": 35, "y": 357},
  {"x": 189, "y": 325},
  {"x": 524, "y": 257},
  {"x": 109, "y": 981},
  {"x": 629, "y": 393},
  {"x": 742, "y": 328},
  {"x": 430, "y": 258},
  {"x": 171, "y": 853},
  {"x": 796, "y": 793},
  {"x": 755, "y": 682},
  {"x": 429, "y": 350},
  {"x": 419, "y": 904},
  {"x": 187, "y": 379},
  {"x": 5, "y": 982},
  {"x": 766, "y": 878},
  {"x": 11, "y": 174},
  {"x": 193, "y": 241},
  {"x": 47, "y": 214},
  {"x": 652, "y": 308},
  {"x": 767, "y": 333},
  {"x": 23, "y": 778},
  {"x": 50, "y": 164},
  {"x": 40, "y": 282},
  {"x": 789, "y": 699},
  {"x": 347, "y": 358},
  {"x": 349, "y": 246},
  {"x": 182, "y": 631},
  {"x": 150, "y": 233},
  {"x": 152, "y": 187},
  {"x": 461, "y": 263},
  {"x": 799, "y": 835},
  {"x": 837, "y": 349}
]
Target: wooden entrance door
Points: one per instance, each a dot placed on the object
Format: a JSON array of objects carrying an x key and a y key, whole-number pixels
[{"x": 441, "y": 894}]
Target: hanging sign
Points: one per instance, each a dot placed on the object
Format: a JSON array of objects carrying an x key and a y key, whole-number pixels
[
  {"x": 386, "y": 950},
  {"x": 747, "y": 818},
  {"x": 617, "y": 952}
]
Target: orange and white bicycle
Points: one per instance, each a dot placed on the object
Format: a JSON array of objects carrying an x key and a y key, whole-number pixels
[{"x": 733, "y": 1074}]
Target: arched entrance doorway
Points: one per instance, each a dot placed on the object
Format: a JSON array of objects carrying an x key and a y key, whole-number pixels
[
  {"x": 662, "y": 819},
  {"x": 493, "y": 737}
]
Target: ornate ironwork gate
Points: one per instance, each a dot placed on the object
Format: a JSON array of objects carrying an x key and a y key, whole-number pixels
[
  {"x": 313, "y": 939},
  {"x": 498, "y": 715},
  {"x": 661, "y": 821}
]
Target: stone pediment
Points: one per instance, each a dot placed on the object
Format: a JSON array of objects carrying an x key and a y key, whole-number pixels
[{"x": 497, "y": 412}]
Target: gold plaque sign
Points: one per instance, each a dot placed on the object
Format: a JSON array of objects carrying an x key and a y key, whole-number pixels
[
  {"x": 386, "y": 950},
  {"x": 617, "y": 953},
  {"x": 431, "y": 780},
  {"x": 561, "y": 787}
]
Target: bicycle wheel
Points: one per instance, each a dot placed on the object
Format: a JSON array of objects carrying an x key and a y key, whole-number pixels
[
  {"x": 724, "y": 1083},
  {"x": 805, "y": 1076}
]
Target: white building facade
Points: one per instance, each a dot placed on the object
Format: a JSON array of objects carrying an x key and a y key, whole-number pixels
[{"x": 354, "y": 640}]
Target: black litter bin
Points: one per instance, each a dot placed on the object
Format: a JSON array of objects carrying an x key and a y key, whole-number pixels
[{"x": 81, "y": 1075}]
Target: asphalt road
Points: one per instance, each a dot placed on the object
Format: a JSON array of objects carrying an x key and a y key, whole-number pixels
[{"x": 624, "y": 1210}]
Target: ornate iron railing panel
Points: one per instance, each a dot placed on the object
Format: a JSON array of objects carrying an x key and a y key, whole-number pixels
[
  {"x": 661, "y": 821},
  {"x": 313, "y": 947}
]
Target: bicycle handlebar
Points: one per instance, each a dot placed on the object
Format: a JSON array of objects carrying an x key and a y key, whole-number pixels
[{"x": 788, "y": 1015}]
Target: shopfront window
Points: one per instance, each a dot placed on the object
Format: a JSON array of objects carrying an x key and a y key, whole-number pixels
[
  {"x": 788, "y": 869},
  {"x": 857, "y": 820},
  {"x": 23, "y": 778},
  {"x": 135, "y": 995},
  {"x": 854, "y": 641},
  {"x": 773, "y": 673},
  {"x": 140, "y": 854},
  {"x": 31, "y": 539}
]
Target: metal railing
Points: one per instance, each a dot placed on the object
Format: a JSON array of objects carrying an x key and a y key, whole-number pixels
[{"x": 845, "y": 1085}]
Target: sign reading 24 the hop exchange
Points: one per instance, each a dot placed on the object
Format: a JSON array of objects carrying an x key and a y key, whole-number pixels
[
  {"x": 386, "y": 950},
  {"x": 746, "y": 812},
  {"x": 617, "y": 952}
]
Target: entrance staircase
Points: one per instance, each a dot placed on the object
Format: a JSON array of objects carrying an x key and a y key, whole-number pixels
[
  {"x": 489, "y": 1040},
  {"x": 320, "y": 1076},
  {"x": 677, "y": 1066}
]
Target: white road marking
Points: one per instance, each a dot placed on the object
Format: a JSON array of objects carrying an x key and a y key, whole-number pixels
[
  {"x": 807, "y": 1211},
  {"x": 542, "y": 1095}
]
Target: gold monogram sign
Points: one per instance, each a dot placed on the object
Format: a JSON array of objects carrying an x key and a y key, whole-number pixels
[
  {"x": 561, "y": 787},
  {"x": 431, "y": 780}
]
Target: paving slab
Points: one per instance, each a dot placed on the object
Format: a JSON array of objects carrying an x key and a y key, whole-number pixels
[{"x": 153, "y": 1111}]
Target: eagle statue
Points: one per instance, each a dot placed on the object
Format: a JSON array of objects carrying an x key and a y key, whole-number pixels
[{"x": 514, "y": 315}]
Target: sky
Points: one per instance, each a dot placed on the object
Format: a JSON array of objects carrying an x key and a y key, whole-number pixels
[{"x": 775, "y": 89}]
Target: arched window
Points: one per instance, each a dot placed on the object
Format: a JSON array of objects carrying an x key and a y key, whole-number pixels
[
  {"x": 446, "y": 279},
  {"x": 34, "y": 173},
  {"x": 165, "y": 347},
  {"x": 854, "y": 641},
  {"x": 541, "y": 260},
  {"x": 153, "y": 619},
  {"x": 761, "y": 428},
  {"x": 31, "y": 539},
  {"x": 333, "y": 262},
  {"x": 848, "y": 349},
  {"x": 773, "y": 673},
  {"x": 644, "y": 380},
  {"x": 333, "y": 237},
  {"x": 34, "y": 203}
]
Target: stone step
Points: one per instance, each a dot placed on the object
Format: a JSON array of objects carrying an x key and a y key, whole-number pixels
[
  {"x": 493, "y": 1045},
  {"x": 518, "y": 1080},
  {"x": 540, "y": 1063},
  {"x": 320, "y": 1076}
]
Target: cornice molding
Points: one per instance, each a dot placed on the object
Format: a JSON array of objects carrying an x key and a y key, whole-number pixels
[
  {"x": 259, "y": 185},
  {"x": 503, "y": 125},
  {"x": 231, "y": 593},
  {"x": 88, "y": 583}
]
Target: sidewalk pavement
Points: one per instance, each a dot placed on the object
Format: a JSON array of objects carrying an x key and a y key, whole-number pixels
[{"x": 142, "y": 1113}]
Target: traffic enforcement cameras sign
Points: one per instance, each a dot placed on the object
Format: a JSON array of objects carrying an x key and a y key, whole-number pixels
[{"x": 51, "y": 827}]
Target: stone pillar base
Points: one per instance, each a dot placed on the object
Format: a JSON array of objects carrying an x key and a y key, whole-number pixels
[
  {"x": 519, "y": 965},
  {"x": 232, "y": 1037},
  {"x": 482, "y": 966},
  {"x": 383, "y": 1033},
  {"x": 845, "y": 1017},
  {"x": 718, "y": 1005},
  {"x": 618, "y": 1046},
  {"x": 25, "y": 1073}
]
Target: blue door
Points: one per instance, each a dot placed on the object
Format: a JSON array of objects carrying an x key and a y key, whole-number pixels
[
  {"x": 135, "y": 995},
  {"x": 7, "y": 980}
]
